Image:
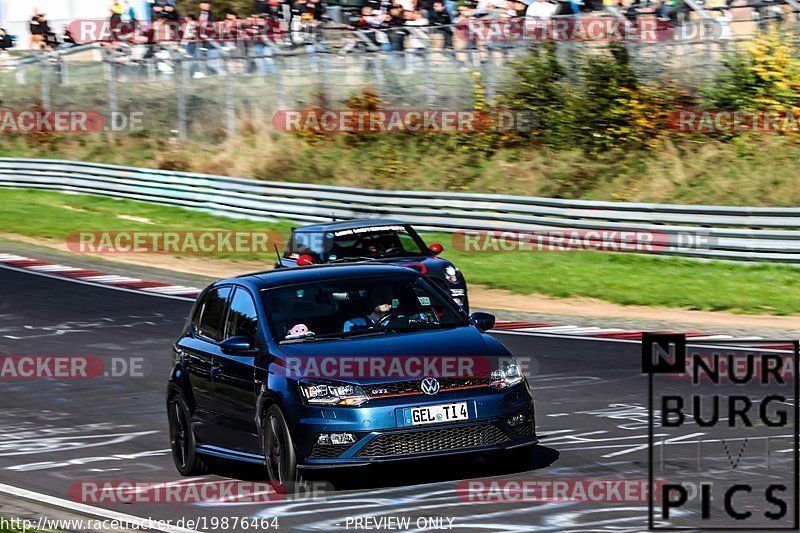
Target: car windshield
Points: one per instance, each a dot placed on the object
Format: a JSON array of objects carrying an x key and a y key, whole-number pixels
[
  {"x": 380, "y": 241},
  {"x": 359, "y": 306},
  {"x": 358, "y": 243}
]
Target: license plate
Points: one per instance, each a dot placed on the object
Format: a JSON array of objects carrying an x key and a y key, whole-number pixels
[{"x": 436, "y": 414}]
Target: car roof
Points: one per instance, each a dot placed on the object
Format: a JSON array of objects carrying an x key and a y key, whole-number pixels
[
  {"x": 352, "y": 224},
  {"x": 306, "y": 274}
]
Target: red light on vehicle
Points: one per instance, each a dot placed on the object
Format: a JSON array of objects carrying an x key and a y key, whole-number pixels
[
  {"x": 436, "y": 248},
  {"x": 304, "y": 260},
  {"x": 419, "y": 267}
]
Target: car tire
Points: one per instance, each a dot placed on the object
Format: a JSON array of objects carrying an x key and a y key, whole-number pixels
[
  {"x": 182, "y": 441},
  {"x": 279, "y": 452}
]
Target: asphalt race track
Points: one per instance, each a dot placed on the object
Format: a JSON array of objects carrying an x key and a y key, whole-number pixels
[{"x": 591, "y": 417}]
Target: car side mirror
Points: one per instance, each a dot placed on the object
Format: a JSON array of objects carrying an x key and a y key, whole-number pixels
[
  {"x": 483, "y": 321},
  {"x": 238, "y": 346},
  {"x": 436, "y": 248}
]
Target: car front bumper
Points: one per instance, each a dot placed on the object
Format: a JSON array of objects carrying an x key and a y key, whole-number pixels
[{"x": 382, "y": 435}]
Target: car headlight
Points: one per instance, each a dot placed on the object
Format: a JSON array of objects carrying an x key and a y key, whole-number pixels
[
  {"x": 451, "y": 273},
  {"x": 333, "y": 393},
  {"x": 508, "y": 375}
]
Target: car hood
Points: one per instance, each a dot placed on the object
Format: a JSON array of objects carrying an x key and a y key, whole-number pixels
[{"x": 458, "y": 343}]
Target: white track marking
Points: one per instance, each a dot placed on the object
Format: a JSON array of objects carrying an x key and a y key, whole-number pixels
[
  {"x": 88, "y": 509},
  {"x": 91, "y": 284}
]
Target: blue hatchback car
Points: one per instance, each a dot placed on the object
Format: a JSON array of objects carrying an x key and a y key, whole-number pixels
[{"x": 333, "y": 366}]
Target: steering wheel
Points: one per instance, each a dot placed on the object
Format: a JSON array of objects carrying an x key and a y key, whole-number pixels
[
  {"x": 392, "y": 250},
  {"x": 383, "y": 322}
]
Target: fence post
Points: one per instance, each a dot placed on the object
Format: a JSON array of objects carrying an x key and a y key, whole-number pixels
[
  {"x": 489, "y": 85},
  {"x": 180, "y": 93},
  {"x": 279, "y": 65},
  {"x": 230, "y": 102},
  {"x": 111, "y": 82},
  {"x": 44, "y": 86},
  {"x": 707, "y": 23},
  {"x": 426, "y": 64}
]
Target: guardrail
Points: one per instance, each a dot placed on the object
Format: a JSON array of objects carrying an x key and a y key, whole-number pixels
[{"x": 733, "y": 233}]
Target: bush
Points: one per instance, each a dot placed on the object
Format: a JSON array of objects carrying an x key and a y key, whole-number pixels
[{"x": 763, "y": 74}]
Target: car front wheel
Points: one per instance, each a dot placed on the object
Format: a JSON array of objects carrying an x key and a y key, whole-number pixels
[
  {"x": 184, "y": 454},
  {"x": 279, "y": 449}
]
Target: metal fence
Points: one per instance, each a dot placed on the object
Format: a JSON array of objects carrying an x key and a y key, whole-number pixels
[
  {"x": 734, "y": 233},
  {"x": 206, "y": 95}
]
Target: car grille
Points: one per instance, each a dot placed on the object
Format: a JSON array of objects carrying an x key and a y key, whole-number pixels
[
  {"x": 410, "y": 387},
  {"x": 433, "y": 440},
  {"x": 525, "y": 430}
]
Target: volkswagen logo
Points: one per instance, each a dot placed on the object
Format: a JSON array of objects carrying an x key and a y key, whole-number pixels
[{"x": 430, "y": 386}]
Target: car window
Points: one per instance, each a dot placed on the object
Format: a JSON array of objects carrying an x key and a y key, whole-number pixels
[
  {"x": 243, "y": 317},
  {"x": 213, "y": 313},
  {"x": 356, "y": 306},
  {"x": 305, "y": 243},
  {"x": 379, "y": 241}
]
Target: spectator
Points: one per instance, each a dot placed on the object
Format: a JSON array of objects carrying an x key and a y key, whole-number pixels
[
  {"x": 416, "y": 45},
  {"x": 396, "y": 32},
  {"x": 158, "y": 10},
  {"x": 541, "y": 9},
  {"x": 262, "y": 7},
  {"x": 317, "y": 8},
  {"x": 440, "y": 17},
  {"x": 37, "y": 30},
  {"x": 49, "y": 40},
  {"x": 128, "y": 13},
  {"x": 576, "y": 6},
  {"x": 67, "y": 37},
  {"x": 5, "y": 41},
  {"x": 115, "y": 21},
  {"x": 205, "y": 16},
  {"x": 171, "y": 14}
]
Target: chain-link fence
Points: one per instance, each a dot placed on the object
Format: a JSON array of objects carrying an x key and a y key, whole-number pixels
[{"x": 208, "y": 92}]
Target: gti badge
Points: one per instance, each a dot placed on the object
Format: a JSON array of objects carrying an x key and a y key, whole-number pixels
[{"x": 430, "y": 386}]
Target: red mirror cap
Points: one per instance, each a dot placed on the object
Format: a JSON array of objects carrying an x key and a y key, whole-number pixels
[
  {"x": 304, "y": 260},
  {"x": 436, "y": 248}
]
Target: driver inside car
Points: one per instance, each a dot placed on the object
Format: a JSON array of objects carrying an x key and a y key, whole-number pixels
[{"x": 381, "y": 306}]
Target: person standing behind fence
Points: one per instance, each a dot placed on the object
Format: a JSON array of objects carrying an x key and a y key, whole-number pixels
[
  {"x": 541, "y": 9},
  {"x": 440, "y": 17},
  {"x": 415, "y": 43},
  {"x": 37, "y": 31}
]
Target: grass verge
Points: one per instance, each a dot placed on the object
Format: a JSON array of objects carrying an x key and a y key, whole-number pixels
[
  {"x": 626, "y": 279},
  {"x": 751, "y": 172}
]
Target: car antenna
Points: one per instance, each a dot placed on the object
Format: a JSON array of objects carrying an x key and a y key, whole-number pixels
[{"x": 280, "y": 260}]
